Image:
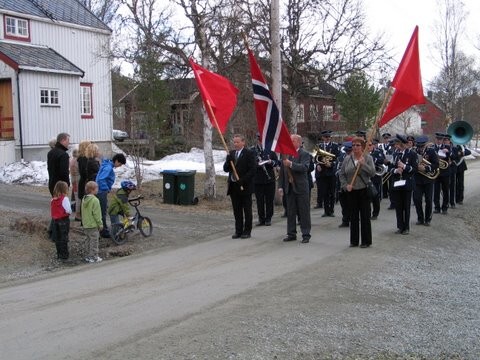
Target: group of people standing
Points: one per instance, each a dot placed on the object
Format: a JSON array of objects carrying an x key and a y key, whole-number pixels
[
  {"x": 401, "y": 168},
  {"x": 91, "y": 179}
]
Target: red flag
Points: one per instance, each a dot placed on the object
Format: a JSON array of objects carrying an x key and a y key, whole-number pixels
[
  {"x": 217, "y": 91},
  {"x": 274, "y": 133},
  {"x": 407, "y": 83}
]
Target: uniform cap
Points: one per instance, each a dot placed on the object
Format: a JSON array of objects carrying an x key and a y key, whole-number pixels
[
  {"x": 421, "y": 140},
  {"x": 385, "y": 135},
  {"x": 326, "y": 133},
  {"x": 401, "y": 138}
]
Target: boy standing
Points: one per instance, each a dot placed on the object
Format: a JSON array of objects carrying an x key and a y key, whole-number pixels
[{"x": 91, "y": 221}]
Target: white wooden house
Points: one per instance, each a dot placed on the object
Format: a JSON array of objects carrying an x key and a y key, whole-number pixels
[{"x": 53, "y": 77}]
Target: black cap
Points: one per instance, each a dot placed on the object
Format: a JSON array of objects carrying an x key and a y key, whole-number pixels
[
  {"x": 326, "y": 133},
  {"x": 421, "y": 140},
  {"x": 361, "y": 133},
  {"x": 410, "y": 138},
  {"x": 401, "y": 138},
  {"x": 439, "y": 135},
  {"x": 385, "y": 135},
  {"x": 347, "y": 145},
  {"x": 447, "y": 136}
]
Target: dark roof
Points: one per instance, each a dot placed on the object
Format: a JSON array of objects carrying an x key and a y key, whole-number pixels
[
  {"x": 36, "y": 58},
  {"x": 321, "y": 89},
  {"x": 181, "y": 89},
  {"x": 70, "y": 11}
]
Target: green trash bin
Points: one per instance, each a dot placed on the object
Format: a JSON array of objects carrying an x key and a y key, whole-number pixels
[
  {"x": 169, "y": 186},
  {"x": 185, "y": 187}
]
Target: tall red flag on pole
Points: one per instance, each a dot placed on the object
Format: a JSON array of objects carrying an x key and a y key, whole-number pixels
[
  {"x": 407, "y": 83},
  {"x": 273, "y": 131},
  {"x": 219, "y": 95}
]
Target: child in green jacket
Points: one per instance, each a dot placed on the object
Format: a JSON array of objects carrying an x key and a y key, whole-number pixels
[
  {"x": 91, "y": 221},
  {"x": 119, "y": 202}
]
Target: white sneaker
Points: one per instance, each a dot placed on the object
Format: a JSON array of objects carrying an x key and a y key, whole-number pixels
[
  {"x": 97, "y": 259},
  {"x": 89, "y": 259}
]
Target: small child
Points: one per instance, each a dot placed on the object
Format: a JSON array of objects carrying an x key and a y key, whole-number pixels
[
  {"x": 91, "y": 221},
  {"x": 61, "y": 209},
  {"x": 119, "y": 204}
]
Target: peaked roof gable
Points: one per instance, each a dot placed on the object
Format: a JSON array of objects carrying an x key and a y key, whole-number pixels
[{"x": 69, "y": 11}]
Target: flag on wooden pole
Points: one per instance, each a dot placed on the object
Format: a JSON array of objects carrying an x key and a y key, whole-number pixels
[
  {"x": 407, "y": 83},
  {"x": 219, "y": 95},
  {"x": 273, "y": 131}
]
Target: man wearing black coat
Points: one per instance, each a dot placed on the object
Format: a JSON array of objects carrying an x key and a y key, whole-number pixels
[
  {"x": 58, "y": 162},
  {"x": 240, "y": 189},
  {"x": 265, "y": 182}
]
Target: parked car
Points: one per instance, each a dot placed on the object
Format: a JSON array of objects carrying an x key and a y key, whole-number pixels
[{"x": 119, "y": 135}]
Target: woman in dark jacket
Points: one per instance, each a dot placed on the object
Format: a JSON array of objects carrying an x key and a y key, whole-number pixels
[
  {"x": 82, "y": 171},
  {"x": 93, "y": 162}
]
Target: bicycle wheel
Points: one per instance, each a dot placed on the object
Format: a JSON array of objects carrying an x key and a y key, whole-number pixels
[
  {"x": 119, "y": 235},
  {"x": 145, "y": 226}
]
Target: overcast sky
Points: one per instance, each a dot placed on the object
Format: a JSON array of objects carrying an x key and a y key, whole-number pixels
[{"x": 397, "y": 19}]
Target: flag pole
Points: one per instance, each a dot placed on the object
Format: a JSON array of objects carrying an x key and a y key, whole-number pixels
[
  {"x": 374, "y": 128},
  {"x": 232, "y": 164}
]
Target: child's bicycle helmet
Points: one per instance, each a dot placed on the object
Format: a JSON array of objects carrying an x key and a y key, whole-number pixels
[{"x": 128, "y": 185}]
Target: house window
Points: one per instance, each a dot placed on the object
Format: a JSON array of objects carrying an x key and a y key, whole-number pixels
[
  {"x": 327, "y": 113},
  {"x": 49, "y": 97},
  {"x": 300, "y": 113},
  {"x": 313, "y": 112},
  {"x": 86, "y": 100},
  {"x": 16, "y": 28}
]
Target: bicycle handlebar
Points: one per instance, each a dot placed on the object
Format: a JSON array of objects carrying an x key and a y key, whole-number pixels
[{"x": 136, "y": 199}]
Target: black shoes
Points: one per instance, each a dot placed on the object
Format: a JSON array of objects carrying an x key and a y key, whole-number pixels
[
  {"x": 236, "y": 236},
  {"x": 245, "y": 236},
  {"x": 364, "y": 246},
  {"x": 436, "y": 211},
  {"x": 328, "y": 215},
  {"x": 290, "y": 238},
  {"x": 374, "y": 218},
  {"x": 398, "y": 231},
  {"x": 268, "y": 223},
  {"x": 427, "y": 223},
  {"x": 260, "y": 223},
  {"x": 405, "y": 232},
  {"x": 306, "y": 239},
  {"x": 419, "y": 223},
  {"x": 353, "y": 245},
  {"x": 343, "y": 225}
]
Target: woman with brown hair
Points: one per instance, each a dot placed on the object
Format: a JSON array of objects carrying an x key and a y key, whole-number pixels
[{"x": 357, "y": 196}]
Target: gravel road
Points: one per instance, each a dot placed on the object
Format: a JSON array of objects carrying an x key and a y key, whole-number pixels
[{"x": 406, "y": 297}]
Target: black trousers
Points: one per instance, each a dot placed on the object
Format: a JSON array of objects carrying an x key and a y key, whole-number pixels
[
  {"x": 327, "y": 186},
  {"x": 441, "y": 185},
  {"x": 421, "y": 191},
  {"x": 452, "y": 185},
  {"x": 343, "y": 199},
  {"x": 460, "y": 180},
  {"x": 402, "y": 199},
  {"x": 60, "y": 230},
  {"x": 377, "y": 181},
  {"x": 360, "y": 225},
  {"x": 265, "y": 196},
  {"x": 242, "y": 210}
]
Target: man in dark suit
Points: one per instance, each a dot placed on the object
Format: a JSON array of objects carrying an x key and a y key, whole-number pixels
[
  {"x": 58, "y": 162},
  {"x": 295, "y": 170},
  {"x": 241, "y": 166}
]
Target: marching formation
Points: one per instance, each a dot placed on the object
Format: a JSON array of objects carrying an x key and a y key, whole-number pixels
[{"x": 356, "y": 174}]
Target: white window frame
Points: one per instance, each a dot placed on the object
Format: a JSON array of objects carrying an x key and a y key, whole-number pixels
[
  {"x": 327, "y": 113},
  {"x": 49, "y": 97},
  {"x": 17, "y": 27},
  {"x": 86, "y": 103}
]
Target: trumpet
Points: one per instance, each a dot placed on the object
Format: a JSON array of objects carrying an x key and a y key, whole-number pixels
[
  {"x": 428, "y": 174},
  {"x": 323, "y": 157}
]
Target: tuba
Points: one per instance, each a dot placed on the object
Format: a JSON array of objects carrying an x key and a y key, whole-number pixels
[{"x": 322, "y": 157}]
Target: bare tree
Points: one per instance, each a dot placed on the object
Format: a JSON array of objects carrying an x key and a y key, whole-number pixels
[{"x": 105, "y": 10}]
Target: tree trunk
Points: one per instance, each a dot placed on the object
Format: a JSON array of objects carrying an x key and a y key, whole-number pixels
[{"x": 209, "y": 186}]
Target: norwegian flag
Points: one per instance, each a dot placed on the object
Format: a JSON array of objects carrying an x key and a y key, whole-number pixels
[{"x": 274, "y": 133}]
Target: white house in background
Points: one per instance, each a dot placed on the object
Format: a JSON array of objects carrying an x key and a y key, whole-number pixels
[{"x": 53, "y": 77}]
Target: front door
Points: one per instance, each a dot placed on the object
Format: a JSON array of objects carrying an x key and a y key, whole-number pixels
[{"x": 6, "y": 110}]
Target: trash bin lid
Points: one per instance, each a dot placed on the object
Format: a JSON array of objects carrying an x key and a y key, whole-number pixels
[
  {"x": 168, "y": 172},
  {"x": 186, "y": 172}
]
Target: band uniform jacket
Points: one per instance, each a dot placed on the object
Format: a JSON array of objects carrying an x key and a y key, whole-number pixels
[
  {"x": 462, "y": 152},
  {"x": 245, "y": 166},
  {"x": 438, "y": 149},
  {"x": 348, "y": 170},
  {"x": 431, "y": 156},
  {"x": 300, "y": 172},
  {"x": 410, "y": 159},
  {"x": 265, "y": 173},
  {"x": 332, "y": 148}
]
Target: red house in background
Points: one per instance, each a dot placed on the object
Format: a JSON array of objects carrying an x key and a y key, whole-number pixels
[{"x": 433, "y": 117}]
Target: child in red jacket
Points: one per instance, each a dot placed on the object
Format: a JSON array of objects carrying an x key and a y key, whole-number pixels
[{"x": 61, "y": 209}]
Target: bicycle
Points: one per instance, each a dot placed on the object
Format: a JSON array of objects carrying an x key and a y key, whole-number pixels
[{"x": 139, "y": 222}]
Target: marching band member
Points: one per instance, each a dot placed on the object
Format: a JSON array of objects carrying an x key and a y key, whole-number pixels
[
  {"x": 461, "y": 168},
  {"x": 442, "y": 181},
  {"x": 405, "y": 166},
  {"x": 342, "y": 195},
  {"x": 264, "y": 182},
  {"x": 325, "y": 174},
  {"x": 424, "y": 180},
  {"x": 454, "y": 157},
  {"x": 378, "y": 160}
]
